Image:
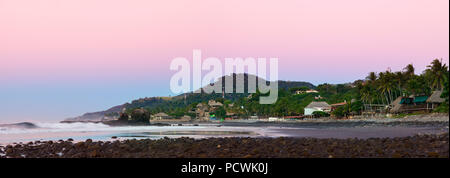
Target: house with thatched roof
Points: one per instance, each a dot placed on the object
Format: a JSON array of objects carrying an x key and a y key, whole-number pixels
[
  {"x": 317, "y": 106},
  {"x": 412, "y": 103},
  {"x": 435, "y": 100}
]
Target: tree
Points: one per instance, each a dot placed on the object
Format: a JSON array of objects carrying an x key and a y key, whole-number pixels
[
  {"x": 386, "y": 85},
  {"x": 436, "y": 73},
  {"x": 445, "y": 91},
  {"x": 343, "y": 111},
  {"x": 444, "y": 106},
  {"x": 220, "y": 100},
  {"x": 372, "y": 77},
  {"x": 140, "y": 115},
  {"x": 409, "y": 70},
  {"x": 123, "y": 117},
  {"x": 318, "y": 114},
  {"x": 220, "y": 112},
  {"x": 418, "y": 85},
  {"x": 356, "y": 106},
  {"x": 339, "y": 112}
]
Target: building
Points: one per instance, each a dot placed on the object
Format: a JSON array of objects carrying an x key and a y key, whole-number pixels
[
  {"x": 409, "y": 104},
  {"x": 160, "y": 116},
  {"x": 434, "y": 100},
  {"x": 293, "y": 117},
  {"x": 306, "y": 91},
  {"x": 336, "y": 105},
  {"x": 186, "y": 118},
  {"x": 202, "y": 111},
  {"x": 318, "y": 97},
  {"x": 317, "y": 106},
  {"x": 214, "y": 104},
  {"x": 311, "y": 91}
]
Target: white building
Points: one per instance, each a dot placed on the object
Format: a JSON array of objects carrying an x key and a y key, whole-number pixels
[
  {"x": 312, "y": 91},
  {"x": 306, "y": 91},
  {"x": 317, "y": 106}
]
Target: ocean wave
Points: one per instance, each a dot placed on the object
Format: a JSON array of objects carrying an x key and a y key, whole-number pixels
[{"x": 80, "y": 127}]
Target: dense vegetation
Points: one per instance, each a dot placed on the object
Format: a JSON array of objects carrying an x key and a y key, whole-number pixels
[
  {"x": 377, "y": 88},
  {"x": 385, "y": 87}
]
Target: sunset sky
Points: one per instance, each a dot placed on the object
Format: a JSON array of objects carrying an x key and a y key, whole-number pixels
[{"x": 62, "y": 58}]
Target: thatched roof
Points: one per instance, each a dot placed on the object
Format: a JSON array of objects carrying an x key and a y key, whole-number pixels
[
  {"x": 396, "y": 106},
  {"x": 435, "y": 97},
  {"x": 318, "y": 104}
]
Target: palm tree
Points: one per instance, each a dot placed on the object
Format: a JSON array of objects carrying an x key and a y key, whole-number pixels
[
  {"x": 437, "y": 74},
  {"x": 409, "y": 70},
  {"x": 372, "y": 77},
  {"x": 399, "y": 78},
  {"x": 386, "y": 85}
]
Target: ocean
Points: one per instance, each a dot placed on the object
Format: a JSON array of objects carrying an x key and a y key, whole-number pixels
[{"x": 26, "y": 132}]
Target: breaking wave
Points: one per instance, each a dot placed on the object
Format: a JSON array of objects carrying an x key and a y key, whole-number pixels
[{"x": 74, "y": 127}]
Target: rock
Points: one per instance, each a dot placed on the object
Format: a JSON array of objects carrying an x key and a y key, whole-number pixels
[{"x": 414, "y": 146}]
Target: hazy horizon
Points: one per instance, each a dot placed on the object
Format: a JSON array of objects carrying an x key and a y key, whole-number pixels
[{"x": 61, "y": 59}]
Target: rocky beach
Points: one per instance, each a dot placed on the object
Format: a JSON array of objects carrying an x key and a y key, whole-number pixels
[{"x": 419, "y": 146}]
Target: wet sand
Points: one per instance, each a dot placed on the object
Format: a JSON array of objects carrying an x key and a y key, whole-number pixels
[{"x": 358, "y": 132}]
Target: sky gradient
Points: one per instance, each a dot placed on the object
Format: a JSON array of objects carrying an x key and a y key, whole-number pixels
[{"x": 60, "y": 59}]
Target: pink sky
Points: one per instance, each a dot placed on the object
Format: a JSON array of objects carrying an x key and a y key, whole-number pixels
[{"x": 53, "y": 41}]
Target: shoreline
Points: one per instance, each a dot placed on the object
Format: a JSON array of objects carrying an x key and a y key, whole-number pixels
[{"x": 422, "y": 120}]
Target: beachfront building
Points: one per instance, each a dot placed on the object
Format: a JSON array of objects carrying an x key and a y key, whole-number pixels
[
  {"x": 316, "y": 106},
  {"x": 409, "y": 104},
  {"x": 435, "y": 100},
  {"x": 160, "y": 116}
]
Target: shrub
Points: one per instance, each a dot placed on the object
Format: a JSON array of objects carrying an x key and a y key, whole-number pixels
[
  {"x": 123, "y": 117},
  {"x": 317, "y": 114},
  {"x": 443, "y": 108}
]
